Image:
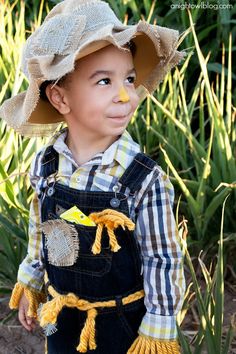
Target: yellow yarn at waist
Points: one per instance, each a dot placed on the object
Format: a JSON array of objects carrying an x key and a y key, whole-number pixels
[{"x": 51, "y": 309}]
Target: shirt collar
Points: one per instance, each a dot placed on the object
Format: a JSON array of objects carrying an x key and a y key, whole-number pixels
[
  {"x": 61, "y": 147},
  {"x": 122, "y": 150}
]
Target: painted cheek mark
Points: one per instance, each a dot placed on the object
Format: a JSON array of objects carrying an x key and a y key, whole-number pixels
[{"x": 123, "y": 94}]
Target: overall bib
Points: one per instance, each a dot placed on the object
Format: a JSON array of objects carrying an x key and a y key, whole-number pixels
[{"x": 100, "y": 277}]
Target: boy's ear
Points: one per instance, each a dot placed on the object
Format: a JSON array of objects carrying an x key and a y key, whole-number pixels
[{"x": 55, "y": 95}]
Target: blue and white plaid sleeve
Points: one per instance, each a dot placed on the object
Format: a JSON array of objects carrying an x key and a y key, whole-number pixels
[{"x": 164, "y": 283}]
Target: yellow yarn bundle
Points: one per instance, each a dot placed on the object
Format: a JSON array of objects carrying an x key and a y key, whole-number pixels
[
  {"x": 34, "y": 298},
  {"x": 147, "y": 345},
  {"x": 51, "y": 309},
  {"x": 87, "y": 337},
  {"x": 111, "y": 219}
]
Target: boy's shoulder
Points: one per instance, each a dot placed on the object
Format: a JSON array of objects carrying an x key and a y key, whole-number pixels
[
  {"x": 142, "y": 169},
  {"x": 134, "y": 153}
]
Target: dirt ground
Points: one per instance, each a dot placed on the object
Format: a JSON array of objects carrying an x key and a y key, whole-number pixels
[{"x": 14, "y": 339}]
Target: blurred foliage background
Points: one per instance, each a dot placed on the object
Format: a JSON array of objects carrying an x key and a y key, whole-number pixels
[{"x": 187, "y": 125}]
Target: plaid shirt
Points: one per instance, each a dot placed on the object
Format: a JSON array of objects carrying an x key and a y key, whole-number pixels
[{"x": 155, "y": 228}]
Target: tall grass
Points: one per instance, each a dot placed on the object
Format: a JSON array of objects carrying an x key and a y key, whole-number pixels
[
  {"x": 16, "y": 152},
  {"x": 196, "y": 139},
  {"x": 209, "y": 295}
]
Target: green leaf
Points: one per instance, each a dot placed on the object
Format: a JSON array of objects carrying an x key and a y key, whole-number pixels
[
  {"x": 219, "y": 289},
  {"x": 13, "y": 229},
  {"x": 183, "y": 342}
]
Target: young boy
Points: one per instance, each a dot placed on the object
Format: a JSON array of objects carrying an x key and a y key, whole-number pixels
[{"x": 86, "y": 68}]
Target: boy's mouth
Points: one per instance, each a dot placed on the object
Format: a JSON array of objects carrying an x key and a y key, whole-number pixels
[
  {"x": 122, "y": 114},
  {"x": 120, "y": 111},
  {"x": 119, "y": 117}
]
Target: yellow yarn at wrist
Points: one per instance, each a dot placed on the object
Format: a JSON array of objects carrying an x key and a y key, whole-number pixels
[
  {"x": 147, "y": 345},
  {"x": 34, "y": 298}
]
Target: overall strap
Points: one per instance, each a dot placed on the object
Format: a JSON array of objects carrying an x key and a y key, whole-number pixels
[
  {"x": 132, "y": 178},
  {"x": 49, "y": 163},
  {"x": 136, "y": 173}
]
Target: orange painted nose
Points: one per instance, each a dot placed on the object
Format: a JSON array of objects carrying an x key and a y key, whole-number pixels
[{"x": 123, "y": 94}]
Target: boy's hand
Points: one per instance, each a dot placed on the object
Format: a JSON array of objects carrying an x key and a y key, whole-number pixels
[{"x": 28, "y": 322}]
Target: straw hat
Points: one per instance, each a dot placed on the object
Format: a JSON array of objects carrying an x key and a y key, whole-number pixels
[{"x": 72, "y": 30}]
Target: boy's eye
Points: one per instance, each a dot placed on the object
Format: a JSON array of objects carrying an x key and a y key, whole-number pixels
[
  {"x": 131, "y": 79},
  {"x": 105, "y": 81}
]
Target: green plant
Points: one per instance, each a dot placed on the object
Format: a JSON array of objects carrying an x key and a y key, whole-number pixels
[
  {"x": 195, "y": 139},
  {"x": 16, "y": 151},
  {"x": 210, "y": 302},
  {"x": 15, "y": 196}
]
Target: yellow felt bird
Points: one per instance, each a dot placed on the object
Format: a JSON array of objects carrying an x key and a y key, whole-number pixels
[{"x": 75, "y": 215}]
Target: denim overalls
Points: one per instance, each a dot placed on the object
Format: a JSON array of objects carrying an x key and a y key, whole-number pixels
[{"x": 105, "y": 276}]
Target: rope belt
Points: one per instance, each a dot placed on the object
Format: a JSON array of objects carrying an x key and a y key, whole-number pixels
[{"x": 50, "y": 310}]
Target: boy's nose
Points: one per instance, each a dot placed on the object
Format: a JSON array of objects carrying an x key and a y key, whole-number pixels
[{"x": 123, "y": 95}]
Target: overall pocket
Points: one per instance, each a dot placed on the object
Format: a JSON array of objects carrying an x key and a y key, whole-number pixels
[
  {"x": 130, "y": 317},
  {"x": 73, "y": 243},
  {"x": 87, "y": 262}
]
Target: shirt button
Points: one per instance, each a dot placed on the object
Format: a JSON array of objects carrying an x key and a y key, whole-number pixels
[{"x": 78, "y": 179}]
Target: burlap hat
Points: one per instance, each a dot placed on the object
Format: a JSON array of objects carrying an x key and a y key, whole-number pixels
[{"x": 72, "y": 30}]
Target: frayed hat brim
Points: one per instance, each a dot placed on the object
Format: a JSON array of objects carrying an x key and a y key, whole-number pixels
[{"x": 50, "y": 53}]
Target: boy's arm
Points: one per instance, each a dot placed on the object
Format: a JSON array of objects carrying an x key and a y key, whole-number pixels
[
  {"x": 164, "y": 283},
  {"x": 31, "y": 271}
]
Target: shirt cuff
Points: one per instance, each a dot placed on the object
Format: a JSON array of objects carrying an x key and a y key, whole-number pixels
[
  {"x": 158, "y": 327},
  {"x": 31, "y": 274}
]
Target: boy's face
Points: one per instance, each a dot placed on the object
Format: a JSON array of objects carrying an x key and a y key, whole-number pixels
[{"x": 92, "y": 94}]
